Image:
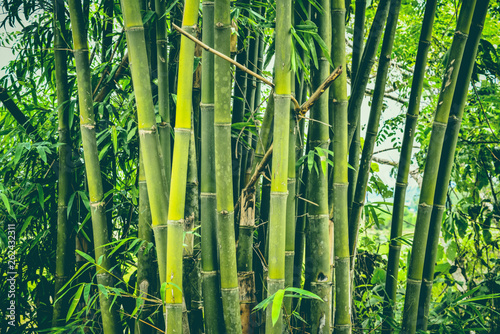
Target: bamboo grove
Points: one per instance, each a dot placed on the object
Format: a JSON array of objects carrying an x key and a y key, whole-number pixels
[{"x": 214, "y": 165}]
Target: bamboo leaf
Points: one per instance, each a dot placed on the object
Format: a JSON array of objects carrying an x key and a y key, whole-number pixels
[
  {"x": 74, "y": 303},
  {"x": 6, "y": 202},
  {"x": 310, "y": 160},
  {"x": 304, "y": 293},
  {"x": 85, "y": 256},
  {"x": 41, "y": 197},
  {"x": 103, "y": 290},
  {"x": 277, "y": 302},
  {"x": 86, "y": 293},
  {"x": 114, "y": 138}
]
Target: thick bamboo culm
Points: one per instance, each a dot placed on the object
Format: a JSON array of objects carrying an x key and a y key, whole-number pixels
[
  {"x": 282, "y": 95},
  {"x": 65, "y": 238},
  {"x": 223, "y": 169},
  {"x": 317, "y": 249},
  {"x": 365, "y": 66},
  {"x": 404, "y": 165},
  {"x": 174, "y": 296},
  {"x": 372, "y": 127},
  {"x": 447, "y": 158},
  {"x": 109, "y": 310},
  {"x": 415, "y": 268},
  {"x": 338, "y": 109},
  {"x": 208, "y": 200},
  {"x": 149, "y": 141}
]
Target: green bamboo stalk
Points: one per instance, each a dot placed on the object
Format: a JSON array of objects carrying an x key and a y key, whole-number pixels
[
  {"x": 338, "y": 107},
  {"x": 109, "y": 309},
  {"x": 146, "y": 270},
  {"x": 177, "y": 196},
  {"x": 447, "y": 158},
  {"x": 318, "y": 273},
  {"x": 365, "y": 67},
  {"x": 164, "y": 128},
  {"x": 210, "y": 289},
  {"x": 282, "y": 95},
  {"x": 372, "y": 127},
  {"x": 191, "y": 263},
  {"x": 223, "y": 168},
  {"x": 357, "y": 51},
  {"x": 404, "y": 164},
  {"x": 290, "y": 206},
  {"x": 65, "y": 249},
  {"x": 240, "y": 88},
  {"x": 149, "y": 141},
  {"x": 415, "y": 268}
]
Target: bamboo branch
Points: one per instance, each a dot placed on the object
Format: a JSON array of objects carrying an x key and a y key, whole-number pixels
[
  {"x": 301, "y": 109},
  {"x": 18, "y": 114}
]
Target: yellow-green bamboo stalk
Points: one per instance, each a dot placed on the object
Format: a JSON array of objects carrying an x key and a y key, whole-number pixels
[
  {"x": 179, "y": 171},
  {"x": 223, "y": 169},
  {"x": 211, "y": 294},
  {"x": 279, "y": 175},
  {"x": 415, "y": 268},
  {"x": 109, "y": 309},
  {"x": 338, "y": 105},
  {"x": 65, "y": 249}
]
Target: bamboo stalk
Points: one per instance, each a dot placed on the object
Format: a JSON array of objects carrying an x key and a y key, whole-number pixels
[
  {"x": 109, "y": 309},
  {"x": 149, "y": 141},
  {"x": 146, "y": 270},
  {"x": 277, "y": 222},
  {"x": 318, "y": 274},
  {"x": 415, "y": 268},
  {"x": 404, "y": 164},
  {"x": 338, "y": 108},
  {"x": 447, "y": 158},
  {"x": 357, "y": 51},
  {"x": 65, "y": 249},
  {"x": 191, "y": 263},
  {"x": 177, "y": 196},
  {"x": 365, "y": 66},
  {"x": 238, "y": 112},
  {"x": 164, "y": 128},
  {"x": 372, "y": 127},
  {"x": 223, "y": 167},
  {"x": 210, "y": 289}
]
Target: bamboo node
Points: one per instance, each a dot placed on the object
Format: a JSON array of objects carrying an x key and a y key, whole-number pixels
[{"x": 97, "y": 204}]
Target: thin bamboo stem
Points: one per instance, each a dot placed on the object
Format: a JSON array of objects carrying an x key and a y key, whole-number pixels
[
  {"x": 404, "y": 165},
  {"x": 365, "y": 66},
  {"x": 277, "y": 222},
  {"x": 109, "y": 309},
  {"x": 65, "y": 249},
  {"x": 223, "y": 168},
  {"x": 208, "y": 200},
  {"x": 416, "y": 266},
  {"x": 318, "y": 275},
  {"x": 338, "y": 108},
  {"x": 447, "y": 158},
  {"x": 372, "y": 127}
]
